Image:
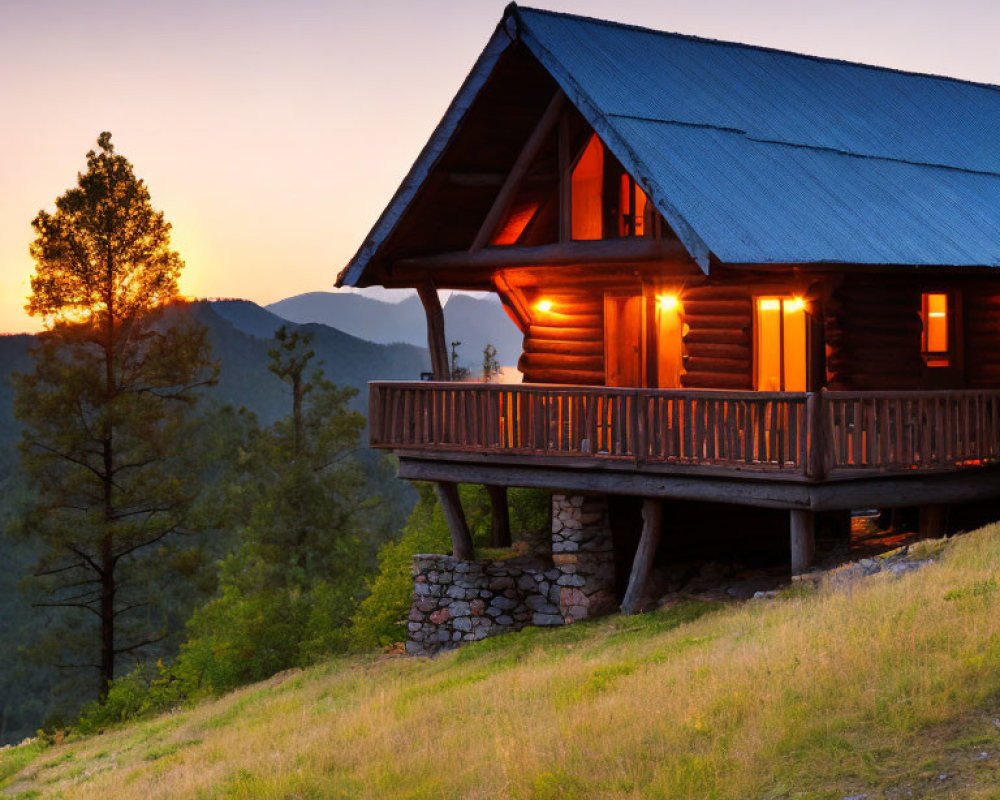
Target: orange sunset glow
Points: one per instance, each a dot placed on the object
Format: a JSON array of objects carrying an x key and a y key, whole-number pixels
[{"x": 273, "y": 134}]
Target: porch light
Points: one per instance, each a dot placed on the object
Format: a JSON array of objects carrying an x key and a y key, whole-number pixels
[
  {"x": 668, "y": 302},
  {"x": 544, "y": 306},
  {"x": 795, "y": 304}
]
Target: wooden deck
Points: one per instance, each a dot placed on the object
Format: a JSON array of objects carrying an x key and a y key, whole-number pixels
[{"x": 799, "y": 437}]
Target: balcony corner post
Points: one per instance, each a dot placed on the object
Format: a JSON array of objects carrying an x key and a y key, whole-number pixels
[{"x": 818, "y": 435}]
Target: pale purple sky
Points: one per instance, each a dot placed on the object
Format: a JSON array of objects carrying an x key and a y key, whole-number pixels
[{"x": 273, "y": 134}]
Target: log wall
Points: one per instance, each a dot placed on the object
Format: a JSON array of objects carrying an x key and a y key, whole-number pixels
[
  {"x": 872, "y": 332},
  {"x": 718, "y": 343},
  {"x": 869, "y": 324},
  {"x": 981, "y": 314},
  {"x": 566, "y": 345}
]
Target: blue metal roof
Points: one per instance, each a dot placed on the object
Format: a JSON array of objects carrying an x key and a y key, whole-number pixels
[{"x": 764, "y": 156}]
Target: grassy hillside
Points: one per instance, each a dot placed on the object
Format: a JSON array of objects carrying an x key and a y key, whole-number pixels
[{"x": 886, "y": 687}]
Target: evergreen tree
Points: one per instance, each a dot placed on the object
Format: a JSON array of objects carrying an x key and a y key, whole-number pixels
[
  {"x": 288, "y": 590},
  {"x": 107, "y": 417}
]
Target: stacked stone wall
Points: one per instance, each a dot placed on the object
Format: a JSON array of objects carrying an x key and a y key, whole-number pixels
[
  {"x": 583, "y": 551},
  {"x": 458, "y": 601},
  {"x": 462, "y": 601}
]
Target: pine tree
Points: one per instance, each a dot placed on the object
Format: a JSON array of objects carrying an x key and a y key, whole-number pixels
[{"x": 107, "y": 415}]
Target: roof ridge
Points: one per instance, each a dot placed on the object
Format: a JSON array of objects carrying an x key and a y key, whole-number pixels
[{"x": 514, "y": 8}]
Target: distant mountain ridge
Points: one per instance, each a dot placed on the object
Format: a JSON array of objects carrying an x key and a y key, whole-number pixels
[
  {"x": 240, "y": 332},
  {"x": 473, "y": 321}
]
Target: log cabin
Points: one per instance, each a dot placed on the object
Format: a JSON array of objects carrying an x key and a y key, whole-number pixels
[{"x": 747, "y": 280}]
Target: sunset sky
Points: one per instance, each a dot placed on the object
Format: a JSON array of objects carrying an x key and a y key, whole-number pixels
[{"x": 273, "y": 134}]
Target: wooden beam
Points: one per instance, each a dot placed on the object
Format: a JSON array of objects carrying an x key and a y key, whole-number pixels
[
  {"x": 565, "y": 182},
  {"x": 521, "y": 166},
  {"x": 931, "y": 521},
  {"x": 802, "y": 529},
  {"x": 601, "y": 251},
  {"x": 451, "y": 504},
  {"x": 642, "y": 565},
  {"x": 474, "y": 179},
  {"x": 436, "y": 342},
  {"x": 500, "y": 516}
]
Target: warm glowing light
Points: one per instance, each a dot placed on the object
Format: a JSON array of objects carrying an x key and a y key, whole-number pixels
[
  {"x": 770, "y": 304},
  {"x": 544, "y": 306},
  {"x": 668, "y": 302},
  {"x": 936, "y": 314},
  {"x": 795, "y": 304}
]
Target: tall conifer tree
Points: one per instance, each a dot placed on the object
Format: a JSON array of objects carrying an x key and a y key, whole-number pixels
[{"x": 107, "y": 414}]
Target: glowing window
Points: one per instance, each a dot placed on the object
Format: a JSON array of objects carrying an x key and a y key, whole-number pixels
[
  {"x": 588, "y": 191},
  {"x": 934, "y": 315},
  {"x": 669, "y": 342},
  {"x": 780, "y": 344}
]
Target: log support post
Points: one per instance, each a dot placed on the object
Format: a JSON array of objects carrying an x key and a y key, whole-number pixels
[
  {"x": 461, "y": 539},
  {"x": 436, "y": 343},
  {"x": 803, "y": 539},
  {"x": 500, "y": 516},
  {"x": 642, "y": 566},
  {"x": 931, "y": 523}
]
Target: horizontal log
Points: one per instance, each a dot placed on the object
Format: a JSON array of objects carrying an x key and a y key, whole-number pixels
[
  {"x": 573, "y": 309},
  {"x": 717, "y": 336},
  {"x": 715, "y": 380},
  {"x": 710, "y": 293},
  {"x": 571, "y": 376},
  {"x": 741, "y": 308},
  {"x": 554, "y": 319},
  {"x": 879, "y": 326},
  {"x": 532, "y": 361},
  {"x": 728, "y": 321},
  {"x": 727, "y": 365},
  {"x": 600, "y": 251},
  {"x": 595, "y": 333},
  {"x": 570, "y": 347},
  {"x": 700, "y": 349}
]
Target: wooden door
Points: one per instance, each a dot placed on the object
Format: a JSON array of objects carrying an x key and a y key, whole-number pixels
[{"x": 623, "y": 340}]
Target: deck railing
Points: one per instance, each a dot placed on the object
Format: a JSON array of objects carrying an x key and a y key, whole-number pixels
[{"x": 809, "y": 435}]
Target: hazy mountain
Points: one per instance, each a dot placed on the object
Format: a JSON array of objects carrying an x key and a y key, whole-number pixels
[
  {"x": 473, "y": 321},
  {"x": 240, "y": 333}
]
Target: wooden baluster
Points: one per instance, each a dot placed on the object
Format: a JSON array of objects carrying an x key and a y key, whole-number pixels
[
  {"x": 883, "y": 437},
  {"x": 760, "y": 408},
  {"x": 871, "y": 431},
  {"x": 676, "y": 407}
]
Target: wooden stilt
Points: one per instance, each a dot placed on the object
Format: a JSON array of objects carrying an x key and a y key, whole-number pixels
[
  {"x": 461, "y": 539},
  {"x": 642, "y": 566},
  {"x": 436, "y": 342},
  {"x": 500, "y": 516},
  {"x": 803, "y": 536},
  {"x": 931, "y": 521}
]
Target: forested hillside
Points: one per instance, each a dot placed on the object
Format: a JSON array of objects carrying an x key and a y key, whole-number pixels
[{"x": 240, "y": 334}]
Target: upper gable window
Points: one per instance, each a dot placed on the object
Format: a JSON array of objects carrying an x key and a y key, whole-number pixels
[
  {"x": 606, "y": 202},
  {"x": 588, "y": 192}
]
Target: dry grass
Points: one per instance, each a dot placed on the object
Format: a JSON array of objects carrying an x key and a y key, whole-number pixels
[{"x": 877, "y": 690}]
